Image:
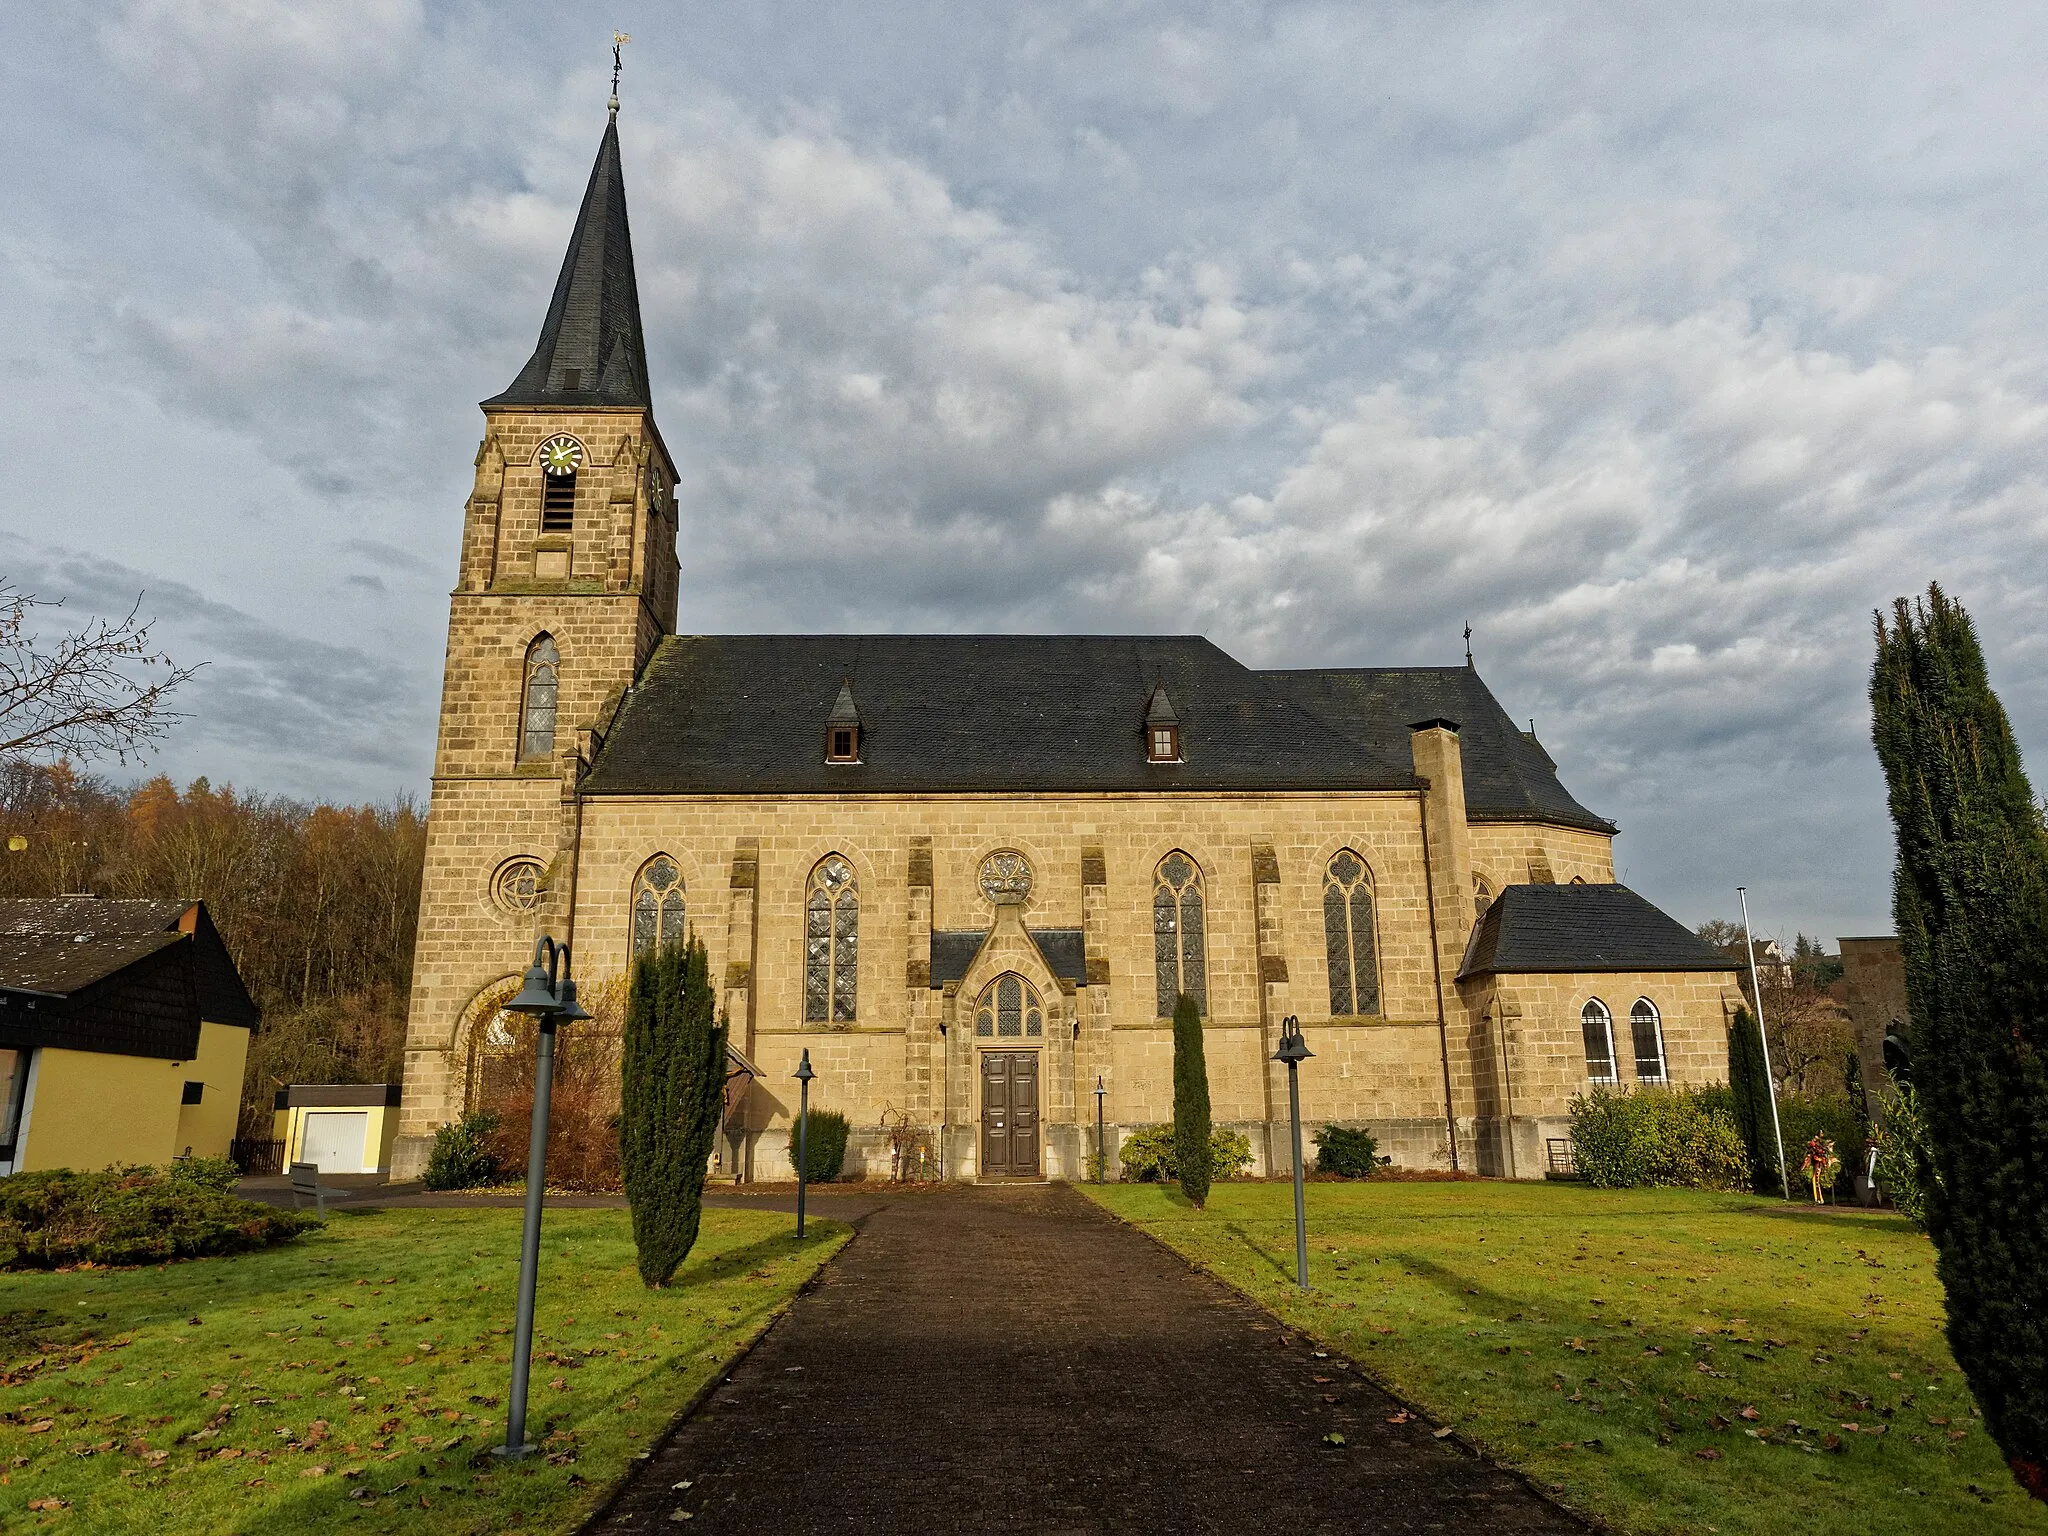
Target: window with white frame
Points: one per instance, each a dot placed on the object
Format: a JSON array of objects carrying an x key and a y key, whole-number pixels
[
  {"x": 1648, "y": 1030},
  {"x": 1598, "y": 1026}
]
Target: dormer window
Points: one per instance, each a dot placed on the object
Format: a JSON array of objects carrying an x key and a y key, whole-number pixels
[
  {"x": 1162, "y": 728},
  {"x": 842, "y": 727}
]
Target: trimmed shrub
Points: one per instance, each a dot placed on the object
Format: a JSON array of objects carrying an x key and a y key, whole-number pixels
[
  {"x": 462, "y": 1156},
  {"x": 218, "y": 1174},
  {"x": 1150, "y": 1156},
  {"x": 133, "y": 1215},
  {"x": 824, "y": 1147},
  {"x": 1190, "y": 1102},
  {"x": 1904, "y": 1159},
  {"x": 671, "y": 1091},
  {"x": 1656, "y": 1137},
  {"x": 1351, "y": 1151}
]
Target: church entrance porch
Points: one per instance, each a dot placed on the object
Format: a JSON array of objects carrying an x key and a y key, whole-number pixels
[{"x": 1009, "y": 1115}]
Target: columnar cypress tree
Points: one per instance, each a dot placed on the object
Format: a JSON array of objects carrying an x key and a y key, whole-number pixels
[
  {"x": 1971, "y": 900},
  {"x": 1749, "y": 1085},
  {"x": 1190, "y": 1102},
  {"x": 671, "y": 1092}
]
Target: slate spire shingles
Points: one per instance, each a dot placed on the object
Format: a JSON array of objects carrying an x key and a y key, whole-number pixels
[{"x": 592, "y": 338}]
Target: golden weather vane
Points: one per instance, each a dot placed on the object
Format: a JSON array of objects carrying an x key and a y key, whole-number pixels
[{"x": 619, "y": 40}]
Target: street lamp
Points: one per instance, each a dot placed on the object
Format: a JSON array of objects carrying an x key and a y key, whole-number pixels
[
  {"x": 549, "y": 995},
  {"x": 1294, "y": 1051},
  {"x": 804, "y": 1074},
  {"x": 1101, "y": 1146}
]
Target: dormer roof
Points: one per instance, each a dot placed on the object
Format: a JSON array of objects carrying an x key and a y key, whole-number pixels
[
  {"x": 844, "y": 711},
  {"x": 1159, "y": 711}
]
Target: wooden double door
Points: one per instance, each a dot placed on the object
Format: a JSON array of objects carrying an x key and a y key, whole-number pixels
[{"x": 1009, "y": 1114}]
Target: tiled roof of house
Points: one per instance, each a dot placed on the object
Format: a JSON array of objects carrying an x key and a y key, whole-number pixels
[
  {"x": 135, "y": 977},
  {"x": 1568, "y": 928},
  {"x": 593, "y": 326},
  {"x": 726, "y": 714},
  {"x": 954, "y": 949}
]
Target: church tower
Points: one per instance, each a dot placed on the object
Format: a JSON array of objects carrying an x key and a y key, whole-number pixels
[{"x": 567, "y": 582}]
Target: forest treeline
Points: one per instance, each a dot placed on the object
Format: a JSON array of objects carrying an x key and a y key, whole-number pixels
[{"x": 318, "y": 904}]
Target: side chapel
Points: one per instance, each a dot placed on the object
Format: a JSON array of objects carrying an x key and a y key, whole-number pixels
[{"x": 972, "y": 873}]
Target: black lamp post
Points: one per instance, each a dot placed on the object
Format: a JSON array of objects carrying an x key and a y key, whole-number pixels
[
  {"x": 1101, "y": 1146},
  {"x": 804, "y": 1074},
  {"x": 1294, "y": 1051},
  {"x": 549, "y": 995}
]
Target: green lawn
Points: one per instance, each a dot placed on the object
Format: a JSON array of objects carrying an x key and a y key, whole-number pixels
[
  {"x": 358, "y": 1375},
  {"x": 1666, "y": 1360}
]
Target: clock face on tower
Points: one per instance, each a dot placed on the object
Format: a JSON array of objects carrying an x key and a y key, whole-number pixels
[{"x": 561, "y": 455}]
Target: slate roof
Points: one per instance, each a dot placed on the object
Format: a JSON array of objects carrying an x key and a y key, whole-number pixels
[
  {"x": 1534, "y": 929},
  {"x": 593, "y": 322},
  {"x": 745, "y": 714},
  {"x": 954, "y": 949},
  {"x": 1508, "y": 775},
  {"x": 90, "y": 974}
]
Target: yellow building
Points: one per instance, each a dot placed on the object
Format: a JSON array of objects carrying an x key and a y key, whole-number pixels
[
  {"x": 339, "y": 1127},
  {"x": 124, "y": 1029},
  {"x": 971, "y": 874}
]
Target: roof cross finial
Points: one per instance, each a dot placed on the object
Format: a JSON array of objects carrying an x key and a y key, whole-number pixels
[
  {"x": 1468, "y": 642},
  {"x": 619, "y": 40}
]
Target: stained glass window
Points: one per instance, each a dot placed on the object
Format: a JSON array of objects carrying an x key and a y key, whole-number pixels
[
  {"x": 1648, "y": 1030},
  {"x": 658, "y": 909},
  {"x": 1598, "y": 1026},
  {"x": 831, "y": 943},
  {"x": 1009, "y": 1009},
  {"x": 1179, "y": 950},
  {"x": 543, "y": 682},
  {"x": 1348, "y": 936}
]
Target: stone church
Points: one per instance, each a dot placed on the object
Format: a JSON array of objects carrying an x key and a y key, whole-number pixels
[{"x": 972, "y": 873}]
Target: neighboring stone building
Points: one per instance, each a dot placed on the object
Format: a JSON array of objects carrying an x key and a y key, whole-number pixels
[
  {"x": 970, "y": 874},
  {"x": 1873, "y": 991}
]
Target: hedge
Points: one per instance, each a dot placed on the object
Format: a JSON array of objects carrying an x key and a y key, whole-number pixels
[
  {"x": 1685, "y": 1139},
  {"x": 134, "y": 1215}
]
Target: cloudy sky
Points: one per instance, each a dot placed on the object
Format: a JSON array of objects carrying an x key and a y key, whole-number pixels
[{"x": 1661, "y": 343}]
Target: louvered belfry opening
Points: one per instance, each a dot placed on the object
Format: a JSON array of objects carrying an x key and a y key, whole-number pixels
[{"x": 558, "y": 503}]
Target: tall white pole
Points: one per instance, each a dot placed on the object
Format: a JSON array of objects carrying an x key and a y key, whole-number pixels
[{"x": 1756, "y": 993}]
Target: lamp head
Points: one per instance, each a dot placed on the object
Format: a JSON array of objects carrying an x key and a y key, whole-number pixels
[
  {"x": 1293, "y": 1048},
  {"x": 536, "y": 997},
  {"x": 571, "y": 1011},
  {"x": 803, "y": 1068}
]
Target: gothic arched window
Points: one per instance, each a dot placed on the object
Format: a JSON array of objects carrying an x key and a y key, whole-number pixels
[
  {"x": 1179, "y": 951},
  {"x": 831, "y": 942},
  {"x": 543, "y": 684},
  {"x": 1347, "y": 936},
  {"x": 1598, "y": 1027},
  {"x": 1009, "y": 1009},
  {"x": 1648, "y": 1030},
  {"x": 658, "y": 907}
]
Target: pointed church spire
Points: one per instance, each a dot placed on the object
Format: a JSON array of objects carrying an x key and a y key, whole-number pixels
[{"x": 591, "y": 351}]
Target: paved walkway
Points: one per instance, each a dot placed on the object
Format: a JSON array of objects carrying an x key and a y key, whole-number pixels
[{"x": 1012, "y": 1359}]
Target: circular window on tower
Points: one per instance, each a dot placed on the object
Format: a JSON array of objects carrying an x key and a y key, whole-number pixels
[
  {"x": 517, "y": 886},
  {"x": 1006, "y": 878}
]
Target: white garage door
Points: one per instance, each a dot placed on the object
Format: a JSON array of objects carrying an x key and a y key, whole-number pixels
[{"x": 335, "y": 1141}]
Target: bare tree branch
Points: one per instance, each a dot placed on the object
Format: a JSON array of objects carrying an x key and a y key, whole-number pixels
[{"x": 101, "y": 691}]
